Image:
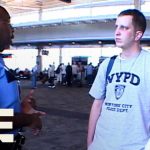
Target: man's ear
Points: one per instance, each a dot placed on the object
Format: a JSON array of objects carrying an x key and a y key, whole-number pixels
[{"x": 138, "y": 35}]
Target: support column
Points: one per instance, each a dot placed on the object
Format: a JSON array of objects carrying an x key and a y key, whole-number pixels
[
  {"x": 60, "y": 54},
  {"x": 40, "y": 3},
  {"x": 137, "y": 4},
  {"x": 40, "y": 14},
  {"x": 39, "y": 59}
]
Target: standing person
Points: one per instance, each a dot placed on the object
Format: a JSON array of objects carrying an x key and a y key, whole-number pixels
[
  {"x": 74, "y": 72},
  {"x": 25, "y": 114},
  {"x": 58, "y": 74},
  {"x": 89, "y": 74},
  {"x": 51, "y": 76},
  {"x": 34, "y": 76},
  {"x": 80, "y": 74},
  {"x": 63, "y": 73},
  {"x": 120, "y": 114},
  {"x": 69, "y": 75}
]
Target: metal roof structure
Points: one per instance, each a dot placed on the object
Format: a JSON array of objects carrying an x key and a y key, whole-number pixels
[{"x": 22, "y": 6}]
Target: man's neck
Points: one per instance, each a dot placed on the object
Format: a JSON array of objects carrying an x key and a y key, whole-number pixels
[{"x": 130, "y": 53}]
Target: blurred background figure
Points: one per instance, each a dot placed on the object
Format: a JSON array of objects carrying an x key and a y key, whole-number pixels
[
  {"x": 34, "y": 74},
  {"x": 51, "y": 76},
  {"x": 89, "y": 74},
  {"x": 69, "y": 75}
]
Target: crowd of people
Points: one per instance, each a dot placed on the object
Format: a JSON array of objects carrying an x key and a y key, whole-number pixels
[
  {"x": 68, "y": 75},
  {"x": 75, "y": 74}
]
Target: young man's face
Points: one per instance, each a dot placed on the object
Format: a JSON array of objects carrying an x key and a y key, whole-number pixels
[{"x": 125, "y": 33}]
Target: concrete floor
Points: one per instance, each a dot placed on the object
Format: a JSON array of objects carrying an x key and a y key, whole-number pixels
[{"x": 66, "y": 121}]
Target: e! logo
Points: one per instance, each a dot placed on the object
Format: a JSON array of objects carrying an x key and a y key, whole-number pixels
[{"x": 6, "y": 125}]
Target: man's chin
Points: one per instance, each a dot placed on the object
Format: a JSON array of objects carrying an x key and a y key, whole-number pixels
[
  {"x": 118, "y": 45},
  {"x": 8, "y": 44}
]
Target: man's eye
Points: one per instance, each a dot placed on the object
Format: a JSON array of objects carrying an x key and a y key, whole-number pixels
[{"x": 123, "y": 28}]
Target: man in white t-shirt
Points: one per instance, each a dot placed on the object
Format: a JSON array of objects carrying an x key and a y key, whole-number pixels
[{"x": 120, "y": 114}]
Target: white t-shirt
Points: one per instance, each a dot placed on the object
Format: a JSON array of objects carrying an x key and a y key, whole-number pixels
[{"x": 124, "y": 122}]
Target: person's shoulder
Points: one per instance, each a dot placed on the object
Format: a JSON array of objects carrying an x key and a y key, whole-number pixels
[
  {"x": 106, "y": 60},
  {"x": 104, "y": 64},
  {"x": 146, "y": 53}
]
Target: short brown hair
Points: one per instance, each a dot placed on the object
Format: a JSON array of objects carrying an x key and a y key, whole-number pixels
[{"x": 139, "y": 20}]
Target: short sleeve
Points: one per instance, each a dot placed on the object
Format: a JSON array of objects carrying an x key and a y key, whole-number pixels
[{"x": 98, "y": 89}]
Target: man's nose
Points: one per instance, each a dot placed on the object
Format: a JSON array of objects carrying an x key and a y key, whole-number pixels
[{"x": 117, "y": 31}]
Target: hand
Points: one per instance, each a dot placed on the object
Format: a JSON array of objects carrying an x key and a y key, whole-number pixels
[
  {"x": 28, "y": 102},
  {"x": 29, "y": 107},
  {"x": 36, "y": 125},
  {"x": 34, "y": 111}
]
